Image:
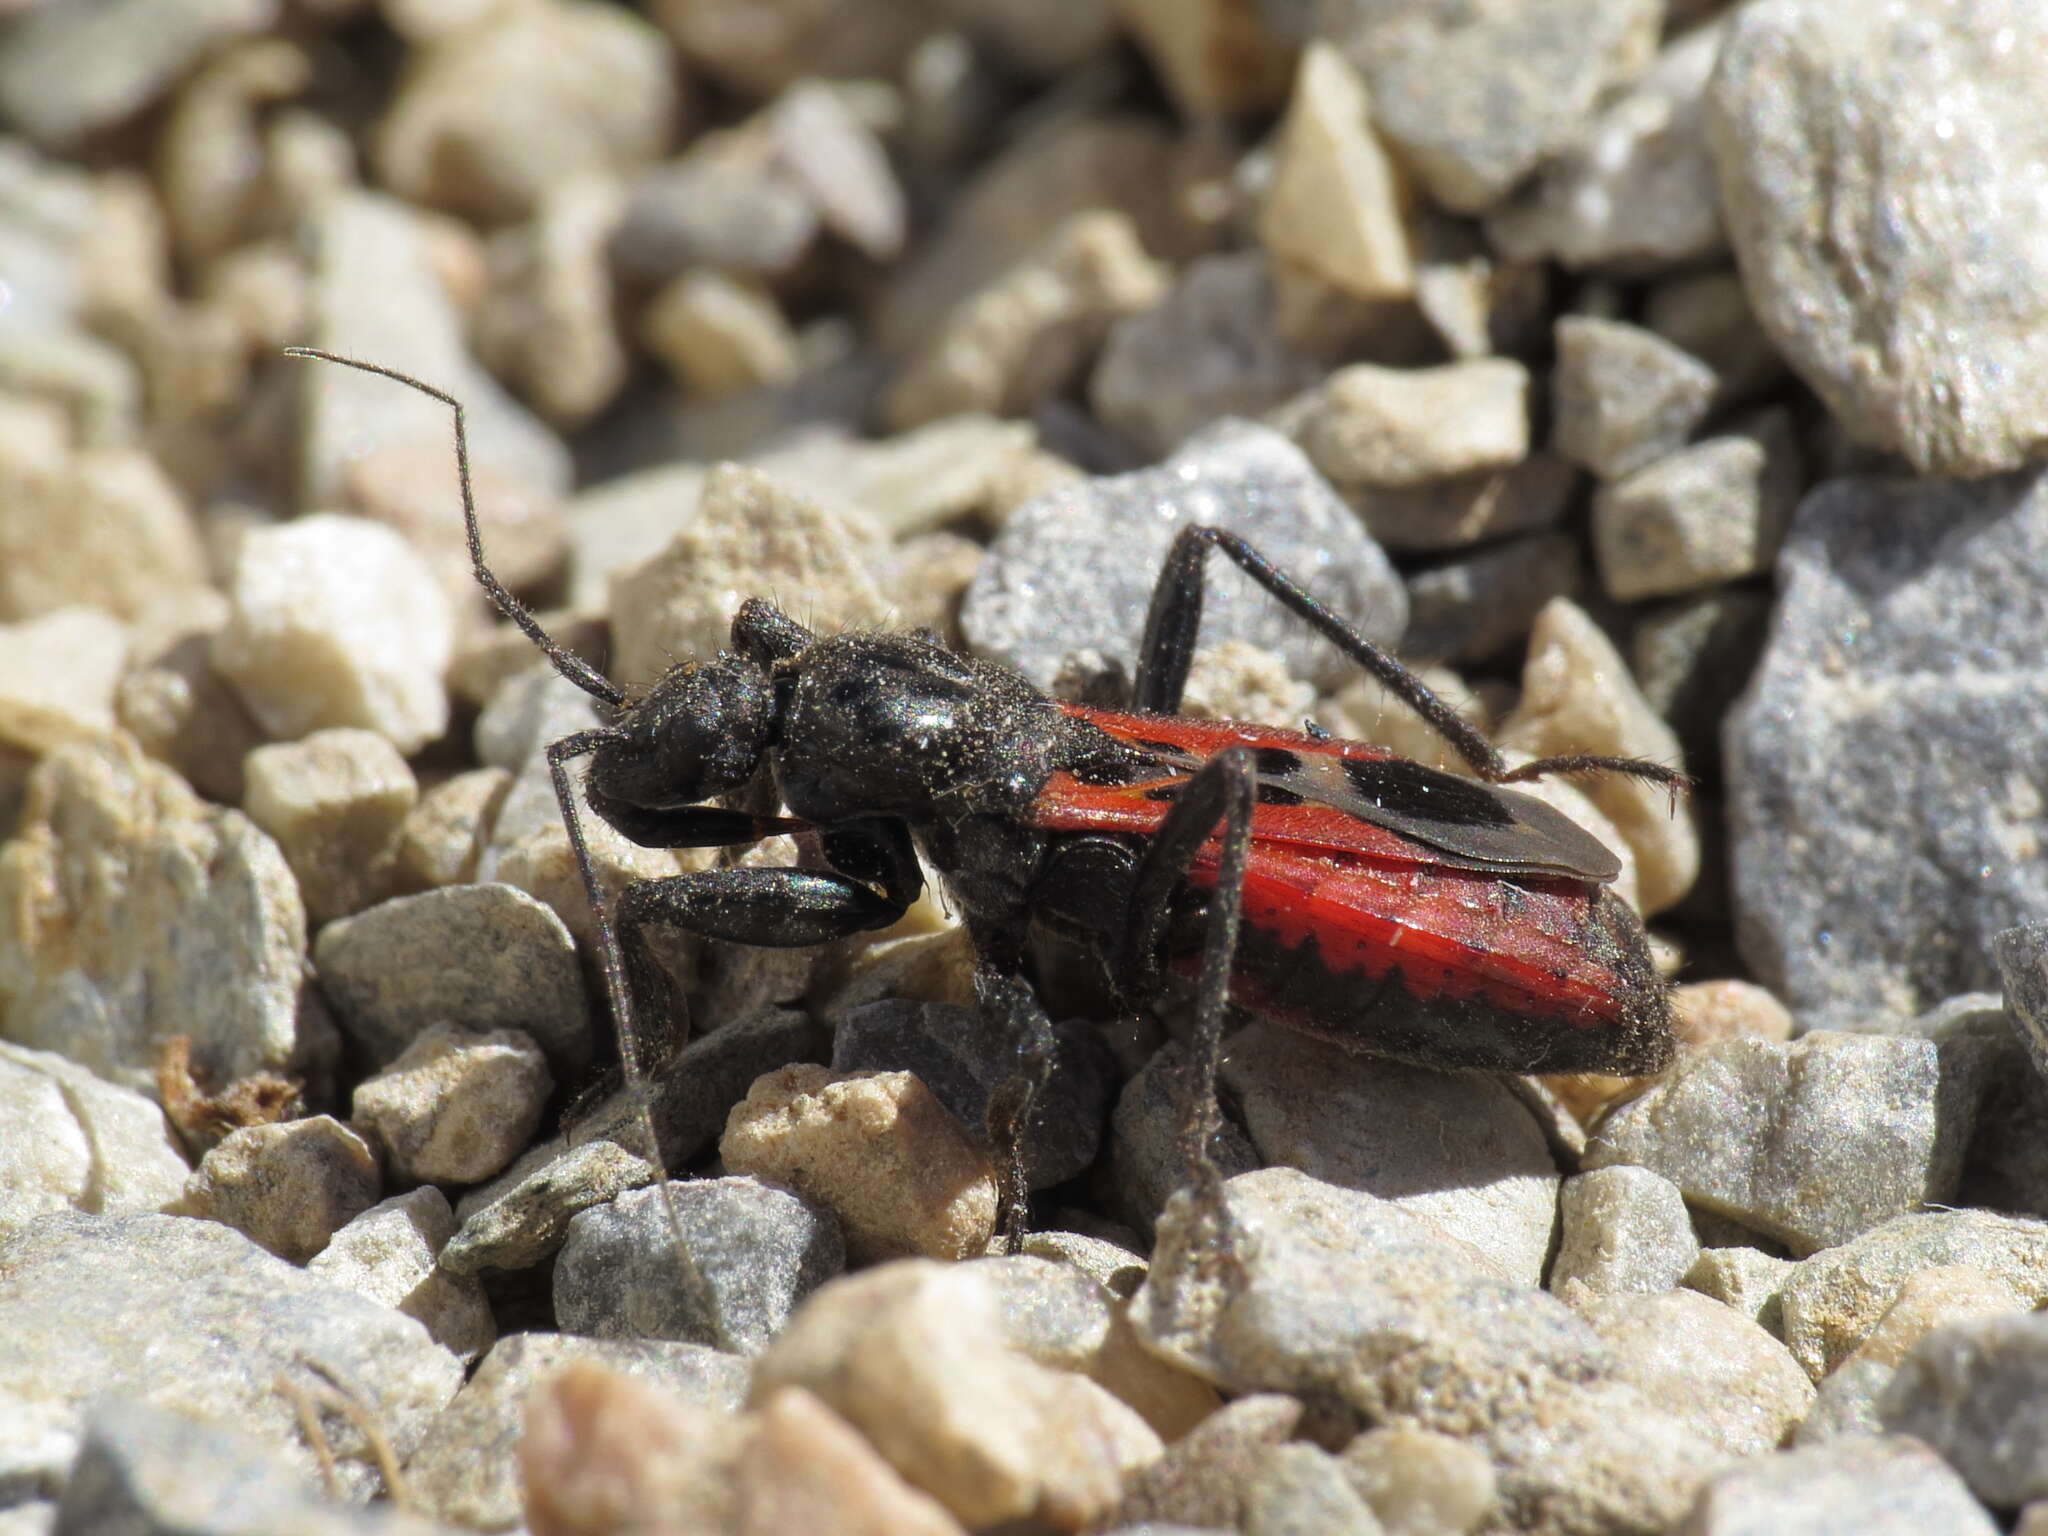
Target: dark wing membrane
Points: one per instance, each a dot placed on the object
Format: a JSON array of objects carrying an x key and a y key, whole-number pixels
[{"x": 1304, "y": 779}]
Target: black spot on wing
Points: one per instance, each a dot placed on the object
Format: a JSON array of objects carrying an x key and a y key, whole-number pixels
[
  {"x": 1276, "y": 761},
  {"x": 1408, "y": 789}
]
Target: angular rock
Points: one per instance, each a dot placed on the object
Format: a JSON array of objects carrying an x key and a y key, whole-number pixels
[
  {"x": 521, "y": 1217},
  {"x": 1458, "y": 1149},
  {"x": 1849, "y": 192},
  {"x": 1210, "y": 350},
  {"x": 913, "y": 1355},
  {"x": 1815, "y": 1142},
  {"x": 1919, "y": 573},
  {"x": 807, "y": 1469},
  {"x": 1479, "y": 508},
  {"x": 1636, "y": 191},
  {"x": 486, "y": 118},
  {"x": 289, "y": 1187},
  {"x": 718, "y": 335},
  {"x": 1577, "y": 696},
  {"x": 466, "y": 1468},
  {"x": 1217, "y": 57},
  {"x": 443, "y": 836},
  {"x": 475, "y": 957},
  {"x": 184, "y": 714},
  {"x": 1706, "y": 1364},
  {"x": 1403, "y": 427},
  {"x": 876, "y": 1149},
  {"x": 455, "y": 1107},
  {"x": 750, "y": 537},
  {"x": 1201, "y": 1480},
  {"x": 390, "y": 1254},
  {"x": 1706, "y": 515},
  {"x": 1334, "y": 203},
  {"x": 824, "y": 145},
  {"x": 1833, "y": 1300},
  {"x": 1624, "y": 396},
  {"x": 137, "y": 914},
  {"x": 102, "y": 528},
  {"x": 335, "y": 802},
  {"x": 1380, "y": 1317},
  {"x": 63, "y": 669},
  {"x": 1747, "y": 1279},
  {"x": 337, "y": 622},
  {"x": 98, "y": 1306},
  {"x": 1146, "y": 1163},
  {"x": 1420, "y": 1482},
  {"x": 1973, "y": 1391},
  {"x": 1891, "y": 1486},
  {"x": 937, "y": 1042},
  {"x": 70, "y": 1141},
  {"x": 720, "y": 205},
  {"x": 2022, "y": 957},
  {"x": 1473, "y": 607},
  {"x": 1300, "y": 1490},
  {"x": 1101, "y": 545},
  {"x": 1474, "y": 97},
  {"x": 1028, "y": 335},
  {"x": 1623, "y": 1230},
  {"x": 748, "y": 1255}
]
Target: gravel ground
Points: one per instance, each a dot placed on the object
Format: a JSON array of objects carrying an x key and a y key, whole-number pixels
[{"x": 1661, "y": 378}]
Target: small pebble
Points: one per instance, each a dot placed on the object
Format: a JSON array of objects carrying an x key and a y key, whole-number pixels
[
  {"x": 1302, "y": 1490},
  {"x": 390, "y": 1254},
  {"x": 64, "y": 668},
  {"x": 1474, "y": 606},
  {"x": 1216, "y": 57},
  {"x": 183, "y": 713},
  {"x": 69, "y": 1141},
  {"x": 1403, "y": 427},
  {"x": 473, "y": 957},
  {"x": 719, "y": 335},
  {"x": 875, "y": 1148},
  {"x": 1890, "y": 1486},
  {"x": 466, "y": 1468},
  {"x": 1750, "y": 1281},
  {"x": 455, "y": 1107},
  {"x": 1624, "y": 396},
  {"x": 337, "y": 622},
  {"x": 1421, "y": 1483},
  {"x": 335, "y": 801},
  {"x": 747, "y": 1255},
  {"x": 1623, "y": 1230},
  {"x": 1973, "y": 1391},
  {"x": 290, "y": 1186},
  {"x": 521, "y": 1217},
  {"x": 807, "y": 1469},
  {"x": 1202, "y": 1477},
  {"x": 444, "y": 833}
]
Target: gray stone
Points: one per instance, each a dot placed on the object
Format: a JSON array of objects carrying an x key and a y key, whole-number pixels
[
  {"x": 748, "y": 1253},
  {"x": 1884, "y": 1487},
  {"x": 520, "y": 1217},
  {"x": 1708, "y": 316},
  {"x": 1974, "y": 1391},
  {"x": 466, "y": 1469},
  {"x": 69, "y": 1141},
  {"x": 289, "y": 1186},
  {"x": 1624, "y": 397},
  {"x": 1833, "y": 1300},
  {"x": 1146, "y": 1164},
  {"x": 478, "y": 957},
  {"x": 1712, "y": 513},
  {"x": 530, "y": 711},
  {"x": 1375, "y": 1316},
  {"x": 938, "y": 1042},
  {"x": 2022, "y": 957},
  {"x": 1814, "y": 1142},
  {"x": 1211, "y": 350},
  {"x": 391, "y": 1253},
  {"x": 1845, "y": 1403},
  {"x": 1888, "y": 233},
  {"x": 141, "y": 914},
  {"x": 71, "y": 70},
  {"x": 1100, "y": 545},
  {"x": 143, "y": 1471},
  {"x": 1475, "y": 96},
  {"x": 1704, "y": 1363},
  {"x": 1420, "y": 1482},
  {"x": 1622, "y": 1229},
  {"x": 719, "y": 205},
  {"x": 96, "y": 1306},
  {"x": 1475, "y": 606},
  {"x": 1457, "y": 1148},
  {"x": 455, "y": 1107},
  {"x": 1693, "y": 657},
  {"x": 1201, "y": 1480},
  {"x": 1301, "y": 1490},
  {"x": 1636, "y": 191},
  {"x": 1882, "y": 585}
]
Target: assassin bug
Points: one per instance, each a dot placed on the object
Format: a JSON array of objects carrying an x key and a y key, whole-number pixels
[{"x": 1354, "y": 894}]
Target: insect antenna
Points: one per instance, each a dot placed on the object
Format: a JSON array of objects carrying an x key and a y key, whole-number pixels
[
  {"x": 611, "y": 965},
  {"x": 570, "y": 665}
]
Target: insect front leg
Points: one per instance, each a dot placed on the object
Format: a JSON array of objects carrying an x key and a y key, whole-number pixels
[
  {"x": 1005, "y": 1000},
  {"x": 1174, "y": 620}
]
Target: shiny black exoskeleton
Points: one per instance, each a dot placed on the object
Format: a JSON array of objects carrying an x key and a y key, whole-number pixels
[{"x": 888, "y": 745}]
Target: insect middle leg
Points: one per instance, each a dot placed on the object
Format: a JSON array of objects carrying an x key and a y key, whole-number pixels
[{"x": 1174, "y": 619}]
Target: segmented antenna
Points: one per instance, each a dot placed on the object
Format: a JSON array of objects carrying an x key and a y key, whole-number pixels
[{"x": 611, "y": 965}]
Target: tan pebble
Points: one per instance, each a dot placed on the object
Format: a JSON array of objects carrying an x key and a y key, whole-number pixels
[
  {"x": 289, "y": 1187},
  {"x": 1705, "y": 1011},
  {"x": 807, "y": 1469}
]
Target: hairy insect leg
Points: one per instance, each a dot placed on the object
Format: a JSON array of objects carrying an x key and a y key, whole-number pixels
[
  {"x": 1174, "y": 619},
  {"x": 1001, "y": 996},
  {"x": 1220, "y": 797}
]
